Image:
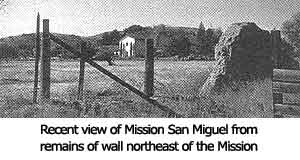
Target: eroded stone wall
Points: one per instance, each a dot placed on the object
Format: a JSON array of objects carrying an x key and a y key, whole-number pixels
[{"x": 242, "y": 77}]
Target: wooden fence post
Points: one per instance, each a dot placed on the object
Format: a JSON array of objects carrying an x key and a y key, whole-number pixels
[
  {"x": 170, "y": 112},
  {"x": 37, "y": 59},
  {"x": 121, "y": 49},
  {"x": 45, "y": 62},
  {"x": 149, "y": 68},
  {"x": 81, "y": 71},
  {"x": 276, "y": 46}
]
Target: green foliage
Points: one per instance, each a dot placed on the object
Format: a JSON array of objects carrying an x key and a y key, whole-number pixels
[
  {"x": 211, "y": 39},
  {"x": 201, "y": 33},
  {"x": 291, "y": 30},
  {"x": 287, "y": 48},
  {"x": 180, "y": 46},
  {"x": 181, "y": 41},
  {"x": 111, "y": 38},
  {"x": 25, "y": 45},
  {"x": 134, "y": 29},
  {"x": 160, "y": 28},
  {"x": 137, "y": 29},
  {"x": 197, "y": 42},
  {"x": 7, "y": 51},
  {"x": 206, "y": 42},
  {"x": 286, "y": 58}
]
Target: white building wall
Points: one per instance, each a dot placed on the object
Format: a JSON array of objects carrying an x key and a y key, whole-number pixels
[{"x": 126, "y": 45}]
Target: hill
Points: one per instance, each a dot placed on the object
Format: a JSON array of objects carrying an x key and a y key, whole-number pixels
[
  {"x": 24, "y": 45},
  {"x": 27, "y": 41},
  {"x": 184, "y": 29}
]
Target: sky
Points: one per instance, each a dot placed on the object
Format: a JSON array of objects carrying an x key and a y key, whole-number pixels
[{"x": 91, "y": 17}]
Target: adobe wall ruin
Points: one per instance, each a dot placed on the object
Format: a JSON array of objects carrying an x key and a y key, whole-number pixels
[{"x": 242, "y": 77}]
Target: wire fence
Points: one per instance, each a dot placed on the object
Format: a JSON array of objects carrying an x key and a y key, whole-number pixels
[{"x": 176, "y": 84}]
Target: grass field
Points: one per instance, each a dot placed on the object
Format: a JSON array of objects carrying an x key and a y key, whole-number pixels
[{"x": 176, "y": 86}]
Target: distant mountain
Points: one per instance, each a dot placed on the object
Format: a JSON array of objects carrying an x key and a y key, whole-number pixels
[
  {"x": 20, "y": 40},
  {"x": 24, "y": 44},
  {"x": 27, "y": 41},
  {"x": 97, "y": 40},
  {"x": 94, "y": 39}
]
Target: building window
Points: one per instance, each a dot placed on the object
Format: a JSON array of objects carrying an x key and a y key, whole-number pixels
[{"x": 126, "y": 43}]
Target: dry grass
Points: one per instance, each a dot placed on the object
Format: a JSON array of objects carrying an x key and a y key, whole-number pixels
[{"x": 176, "y": 86}]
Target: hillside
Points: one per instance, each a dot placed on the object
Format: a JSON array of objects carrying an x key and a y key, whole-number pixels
[
  {"x": 23, "y": 45},
  {"x": 27, "y": 41},
  {"x": 184, "y": 29}
]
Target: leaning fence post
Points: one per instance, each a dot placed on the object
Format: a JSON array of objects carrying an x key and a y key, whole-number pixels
[
  {"x": 116, "y": 78},
  {"x": 149, "y": 68},
  {"x": 37, "y": 59},
  {"x": 81, "y": 71},
  {"x": 45, "y": 62}
]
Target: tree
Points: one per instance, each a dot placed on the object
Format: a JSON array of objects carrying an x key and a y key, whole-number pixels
[
  {"x": 116, "y": 36},
  {"x": 111, "y": 38},
  {"x": 180, "y": 46},
  {"x": 134, "y": 29},
  {"x": 291, "y": 30},
  {"x": 211, "y": 39},
  {"x": 8, "y": 51},
  {"x": 159, "y": 28},
  {"x": 137, "y": 29},
  {"x": 287, "y": 48},
  {"x": 107, "y": 39},
  {"x": 203, "y": 40},
  {"x": 201, "y": 34}
]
